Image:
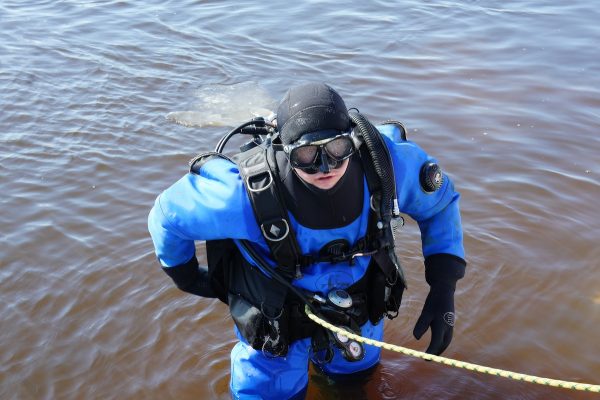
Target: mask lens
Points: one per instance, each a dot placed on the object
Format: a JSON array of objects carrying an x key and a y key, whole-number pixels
[
  {"x": 304, "y": 156},
  {"x": 324, "y": 156},
  {"x": 339, "y": 148}
]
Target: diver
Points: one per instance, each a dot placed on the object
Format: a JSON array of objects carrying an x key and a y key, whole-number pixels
[{"x": 305, "y": 216}]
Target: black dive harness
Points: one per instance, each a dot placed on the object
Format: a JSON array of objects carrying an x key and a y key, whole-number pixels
[{"x": 272, "y": 316}]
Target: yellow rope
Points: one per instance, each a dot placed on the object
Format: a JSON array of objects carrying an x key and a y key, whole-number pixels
[{"x": 455, "y": 363}]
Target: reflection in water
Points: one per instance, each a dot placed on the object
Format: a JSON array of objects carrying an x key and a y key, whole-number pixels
[{"x": 225, "y": 105}]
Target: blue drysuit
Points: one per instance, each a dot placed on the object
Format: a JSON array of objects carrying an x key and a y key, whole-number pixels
[{"x": 215, "y": 205}]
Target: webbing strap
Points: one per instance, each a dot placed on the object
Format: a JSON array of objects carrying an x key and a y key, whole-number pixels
[{"x": 267, "y": 203}]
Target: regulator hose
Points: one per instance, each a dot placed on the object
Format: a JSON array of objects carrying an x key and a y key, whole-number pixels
[
  {"x": 384, "y": 169},
  {"x": 382, "y": 162},
  {"x": 255, "y": 127}
]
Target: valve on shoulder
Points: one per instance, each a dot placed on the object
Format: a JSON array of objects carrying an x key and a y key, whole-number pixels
[
  {"x": 340, "y": 299},
  {"x": 352, "y": 350},
  {"x": 256, "y": 141},
  {"x": 255, "y": 130}
]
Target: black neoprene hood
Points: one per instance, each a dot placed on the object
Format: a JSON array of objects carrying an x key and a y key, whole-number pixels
[{"x": 311, "y": 107}]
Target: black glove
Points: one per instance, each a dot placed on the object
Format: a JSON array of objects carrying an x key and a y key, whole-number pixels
[
  {"x": 191, "y": 278},
  {"x": 441, "y": 272}
]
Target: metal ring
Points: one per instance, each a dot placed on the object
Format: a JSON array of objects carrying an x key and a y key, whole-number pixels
[
  {"x": 263, "y": 188},
  {"x": 287, "y": 231},
  {"x": 392, "y": 283},
  {"x": 371, "y": 203},
  {"x": 262, "y": 311},
  {"x": 266, "y": 353}
]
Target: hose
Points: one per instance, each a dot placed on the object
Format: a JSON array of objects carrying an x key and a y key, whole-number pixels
[
  {"x": 257, "y": 126},
  {"x": 382, "y": 163}
]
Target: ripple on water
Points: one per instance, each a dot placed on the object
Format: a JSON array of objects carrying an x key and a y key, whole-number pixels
[{"x": 93, "y": 113}]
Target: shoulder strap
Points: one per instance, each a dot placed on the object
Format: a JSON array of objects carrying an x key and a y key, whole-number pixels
[
  {"x": 197, "y": 162},
  {"x": 257, "y": 169},
  {"x": 398, "y": 125}
]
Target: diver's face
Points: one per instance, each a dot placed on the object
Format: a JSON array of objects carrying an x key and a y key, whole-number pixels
[{"x": 324, "y": 180}]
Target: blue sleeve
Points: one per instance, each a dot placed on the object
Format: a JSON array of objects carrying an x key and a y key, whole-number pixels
[
  {"x": 437, "y": 213},
  {"x": 212, "y": 205}
]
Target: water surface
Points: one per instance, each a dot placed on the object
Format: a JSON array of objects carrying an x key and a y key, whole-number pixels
[{"x": 103, "y": 104}]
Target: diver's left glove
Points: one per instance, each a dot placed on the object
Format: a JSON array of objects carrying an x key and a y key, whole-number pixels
[
  {"x": 441, "y": 273},
  {"x": 191, "y": 278}
]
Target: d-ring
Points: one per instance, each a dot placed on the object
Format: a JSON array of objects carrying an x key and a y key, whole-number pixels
[
  {"x": 269, "y": 234},
  {"x": 270, "y": 182}
]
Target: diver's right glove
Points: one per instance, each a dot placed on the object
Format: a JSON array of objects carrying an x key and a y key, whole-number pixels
[
  {"x": 441, "y": 272},
  {"x": 191, "y": 278}
]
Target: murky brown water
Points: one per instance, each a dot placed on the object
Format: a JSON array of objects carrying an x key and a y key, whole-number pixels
[{"x": 504, "y": 93}]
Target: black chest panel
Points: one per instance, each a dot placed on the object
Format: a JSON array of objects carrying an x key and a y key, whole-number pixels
[{"x": 323, "y": 209}]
